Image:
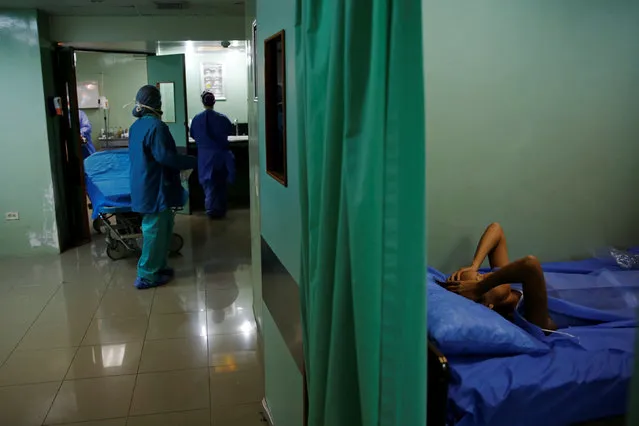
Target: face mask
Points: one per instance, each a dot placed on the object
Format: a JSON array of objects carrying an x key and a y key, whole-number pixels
[{"x": 139, "y": 107}]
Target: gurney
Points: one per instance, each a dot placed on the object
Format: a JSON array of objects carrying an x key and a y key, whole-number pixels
[{"x": 107, "y": 184}]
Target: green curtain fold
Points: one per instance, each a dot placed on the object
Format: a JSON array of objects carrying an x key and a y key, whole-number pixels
[{"x": 360, "y": 91}]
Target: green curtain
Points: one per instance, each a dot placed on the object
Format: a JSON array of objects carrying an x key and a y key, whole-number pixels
[{"x": 360, "y": 89}]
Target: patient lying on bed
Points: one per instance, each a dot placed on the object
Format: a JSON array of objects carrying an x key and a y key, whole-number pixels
[{"x": 493, "y": 289}]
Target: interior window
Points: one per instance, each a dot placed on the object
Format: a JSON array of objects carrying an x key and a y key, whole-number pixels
[
  {"x": 167, "y": 90},
  {"x": 275, "y": 105}
]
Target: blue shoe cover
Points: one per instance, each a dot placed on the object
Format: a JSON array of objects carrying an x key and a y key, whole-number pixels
[{"x": 143, "y": 283}]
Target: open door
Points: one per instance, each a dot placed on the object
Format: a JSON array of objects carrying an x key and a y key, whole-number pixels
[
  {"x": 167, "y": 74},
  {"x": 66, "y": 155}
]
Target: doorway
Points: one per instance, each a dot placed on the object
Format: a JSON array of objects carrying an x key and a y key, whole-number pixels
[
  {"x": 106, "y": 82},
  {"x": 220, "y": 67},
  {"x": 101, "y": 84},
  {"x": 93, "y": 85}
]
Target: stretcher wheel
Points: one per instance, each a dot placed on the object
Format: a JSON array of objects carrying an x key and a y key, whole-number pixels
[
  {"x": 117, "y": 251},
  {"x": 177, "y": 242},
  {"x": 97, "y": 225}
]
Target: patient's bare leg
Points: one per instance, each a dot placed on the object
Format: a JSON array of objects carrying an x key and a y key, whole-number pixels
[
  {"x": 492, "y": 244},
  {"x": 498, "y": 254}
]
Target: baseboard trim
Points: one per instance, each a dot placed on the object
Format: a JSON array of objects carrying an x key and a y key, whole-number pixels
[
  {"x": 267, "y": 412},
  {"x": 281, "y": 296}
]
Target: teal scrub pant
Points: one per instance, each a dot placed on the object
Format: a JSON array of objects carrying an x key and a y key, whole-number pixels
[{"x": 157, "y": 230}]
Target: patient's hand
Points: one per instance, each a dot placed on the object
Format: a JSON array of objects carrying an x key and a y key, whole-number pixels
[
  {"x": 461, "y": 274},
  {"x": 470, "y": 289}
]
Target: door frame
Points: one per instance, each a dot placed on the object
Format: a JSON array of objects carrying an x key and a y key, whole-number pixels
[
  {"x": 70, "y": 173},
  {"x": 188, "y": 148}
]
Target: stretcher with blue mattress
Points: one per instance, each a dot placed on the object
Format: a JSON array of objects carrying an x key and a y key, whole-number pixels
[
  {"x": 107, "y": 183},
  {"x": 581, "y": 374}
]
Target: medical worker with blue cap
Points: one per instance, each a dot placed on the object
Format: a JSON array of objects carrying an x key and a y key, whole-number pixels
[
  {"x": 216, "y": 164},
  {"x": 155, "y": 185}
]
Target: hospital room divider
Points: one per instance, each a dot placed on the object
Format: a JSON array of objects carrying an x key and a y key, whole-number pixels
[{"x": 362, "y": 178}]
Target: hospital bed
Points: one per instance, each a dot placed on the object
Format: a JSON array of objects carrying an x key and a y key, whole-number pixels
[
  {"x": 579, "y": 376},
  {"x": 107, "y": 184}
]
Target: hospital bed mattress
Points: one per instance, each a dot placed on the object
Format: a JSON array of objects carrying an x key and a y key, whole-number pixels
[
  {"x": 107, "y": 181},
  {"x": 563, "y": 387},
  {"x": 584, "y": 376}
]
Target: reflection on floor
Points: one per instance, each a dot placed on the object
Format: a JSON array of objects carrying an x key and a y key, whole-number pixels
[{"x": 78, "y": 343}]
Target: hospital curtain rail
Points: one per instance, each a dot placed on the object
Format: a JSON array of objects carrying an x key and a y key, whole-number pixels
[{"x": 359, "y": 78}]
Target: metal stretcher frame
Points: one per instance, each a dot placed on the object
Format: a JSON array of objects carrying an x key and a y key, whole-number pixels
[
  {"x": 437, "y": 387},
  {"x": 123, "y": 236}
]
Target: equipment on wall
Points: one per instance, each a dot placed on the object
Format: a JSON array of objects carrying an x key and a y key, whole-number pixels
[
  {"x": 103, "y": 104},
  {"x": 55, "y": 105}
]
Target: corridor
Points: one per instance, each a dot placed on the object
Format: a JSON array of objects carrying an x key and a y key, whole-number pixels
[{"x": 80, "y": 345}]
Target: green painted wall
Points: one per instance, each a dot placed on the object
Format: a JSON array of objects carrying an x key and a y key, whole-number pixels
[
  {"x": 119, "y": 77},
  {"x": 280, "y": 216},
  {"x": 235, "y": 80},
  {"x": 24, "y": 140},
  {"x": 280, "y": 205},
  {"x": 532, "y": 121}
]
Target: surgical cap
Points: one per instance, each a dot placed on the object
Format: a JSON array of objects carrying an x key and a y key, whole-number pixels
[
  {"x": 208, "y": 99},
  {"x": 150, "y": 97}
]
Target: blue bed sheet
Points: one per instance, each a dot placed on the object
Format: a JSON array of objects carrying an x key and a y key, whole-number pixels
[
  {"x": 107, "y": 181},
  {"x": 586, "y": 374},
  {"x": 586, "y": 266}
]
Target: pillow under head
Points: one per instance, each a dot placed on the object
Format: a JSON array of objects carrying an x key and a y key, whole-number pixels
[{"x": 460, "y": 326}]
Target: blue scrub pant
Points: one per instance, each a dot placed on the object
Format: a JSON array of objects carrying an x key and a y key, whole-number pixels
[
  {"x": 215, "y": 193},
  {"x": 157, "y": 230}
]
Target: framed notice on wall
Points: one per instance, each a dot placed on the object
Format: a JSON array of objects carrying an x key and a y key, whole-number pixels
[{"x": 213, "y": 80}]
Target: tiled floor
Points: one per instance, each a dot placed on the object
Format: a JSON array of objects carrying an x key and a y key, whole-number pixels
[{"x": 80, "y": 345}]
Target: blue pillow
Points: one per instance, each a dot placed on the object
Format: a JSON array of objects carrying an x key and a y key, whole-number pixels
[{"x": 460, "y": 326}]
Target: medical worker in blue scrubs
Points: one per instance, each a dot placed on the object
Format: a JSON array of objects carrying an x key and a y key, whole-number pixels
[
  {"x": 155, "y": 185},
  {"x": 85, "y": 131},
  {"x": 216, "y": 164}
]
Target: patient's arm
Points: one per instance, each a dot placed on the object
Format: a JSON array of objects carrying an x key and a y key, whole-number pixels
[
  {"x": 492, "y": 244},
  {"x": 526, "y": 271}
]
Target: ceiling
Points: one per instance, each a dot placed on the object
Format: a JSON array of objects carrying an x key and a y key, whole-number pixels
[
  {"x": 131, "y": 7},
  {"x": 132, "y": 46},
  {"x": 194, "y": 47},
  {"x": 200, "y": 46}
]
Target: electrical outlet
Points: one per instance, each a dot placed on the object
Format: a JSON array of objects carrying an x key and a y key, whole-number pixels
[{"x": 11, "y": 216}]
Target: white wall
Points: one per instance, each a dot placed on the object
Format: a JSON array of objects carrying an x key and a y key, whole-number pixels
[{"x": 235, "y": 80}]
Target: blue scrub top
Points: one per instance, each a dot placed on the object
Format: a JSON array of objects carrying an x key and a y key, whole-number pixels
[
  {"x": 211, "y": 131},
  {"x": 85, "y": 131},
  {"x": 155, "y": 167}
]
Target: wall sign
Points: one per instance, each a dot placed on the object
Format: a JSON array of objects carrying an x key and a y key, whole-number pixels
[{"x": 213, "y": 80}]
